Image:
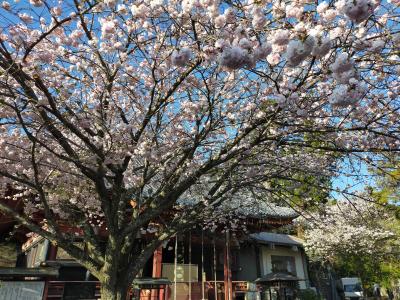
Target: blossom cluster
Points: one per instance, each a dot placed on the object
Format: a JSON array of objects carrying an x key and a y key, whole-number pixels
[
  {"x": 118, "y": 99},
  {"x": 353, "y": 227}
]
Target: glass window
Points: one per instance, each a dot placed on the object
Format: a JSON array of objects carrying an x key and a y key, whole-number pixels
[
  {"x": 37, "y": 253},
  {"x": 41, "y": 252},
  {"x": 285, "y": 264},
  {"x": 31, "y": 256},
  {"x": 351, "y": 288}
]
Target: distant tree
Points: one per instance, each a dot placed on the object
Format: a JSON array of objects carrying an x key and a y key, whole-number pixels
[
  {"x": 357, "y": 238},
  {"x": 386, "y": 187},
  {"x": 8, "y": 253}
]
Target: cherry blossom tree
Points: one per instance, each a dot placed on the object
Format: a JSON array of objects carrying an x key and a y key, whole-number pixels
[
  {"x": 115, "y": 114},
  {"x": 348, "y": 227},
  {"x": 357, "y": 238}
]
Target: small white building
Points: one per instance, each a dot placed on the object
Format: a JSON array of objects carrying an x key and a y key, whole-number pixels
[
  {"x": 282, "y": 253},
  {"x": 267, "y": 253}
]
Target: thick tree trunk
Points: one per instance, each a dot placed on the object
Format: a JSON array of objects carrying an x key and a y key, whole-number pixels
[
  {"x": 114, "y": 284},
  {"x": 117, "y": 291},
  {"x": 119, "y": 270}
]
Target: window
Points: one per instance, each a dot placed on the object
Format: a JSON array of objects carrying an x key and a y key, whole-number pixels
[
  {"x": 30, "y": 256},
  {"x": 284, "y": 264},
  {"x": 37, "y": 253},
  {"x": 351, "y": 288}
]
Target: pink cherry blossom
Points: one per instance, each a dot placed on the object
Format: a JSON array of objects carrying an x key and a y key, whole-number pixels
[
  {"x": 117, "y": 114},
  {"x": 181, "y": 57},
  {"x": 36, "y": 3}
]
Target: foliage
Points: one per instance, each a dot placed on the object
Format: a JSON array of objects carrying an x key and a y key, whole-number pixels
[
  {"x": 308, "y": 294},
  {"x": 8, "y": 254},
  {"x": 386, "y": 190},
  {"x": 387, "y": 183},
  {"x": 304, "y": 191}
]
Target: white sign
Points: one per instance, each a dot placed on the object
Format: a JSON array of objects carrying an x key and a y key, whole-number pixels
[
  {"x": 21, "y": 290},
  {"x": 182, "y": 272}
]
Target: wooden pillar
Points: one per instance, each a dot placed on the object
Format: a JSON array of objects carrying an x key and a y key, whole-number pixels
[
  {"x": 227, "y": 271},
  {"x": 166, "y": 292},
  {"x": 51, "y": 255},
  {"x": 157, "y": 271},
  {"x": 52, "y": 252},
  {"x": 258, "y": 260}
]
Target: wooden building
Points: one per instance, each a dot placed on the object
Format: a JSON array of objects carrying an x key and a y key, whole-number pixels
[{"x": 199, "y": 264}]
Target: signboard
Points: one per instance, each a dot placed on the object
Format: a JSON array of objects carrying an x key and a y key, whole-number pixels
[
  {"x": 21, "y": 290},
  {"x": 184, "y": 272}
]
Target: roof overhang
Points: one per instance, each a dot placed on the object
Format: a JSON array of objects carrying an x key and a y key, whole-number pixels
[
  {"x": 29, "y": 272},
  {"x": 276, "y": 239},
  {"x": 277, "y": 277}
]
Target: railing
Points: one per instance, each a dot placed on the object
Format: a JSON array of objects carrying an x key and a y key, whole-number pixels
[
  {"x": 196, "y": 291},
  {"x": 55, "y": 290},
  {"x": 184, "y": 290}
]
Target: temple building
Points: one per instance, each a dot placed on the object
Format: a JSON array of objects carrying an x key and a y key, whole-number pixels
[{"x": 218, "y": 264}]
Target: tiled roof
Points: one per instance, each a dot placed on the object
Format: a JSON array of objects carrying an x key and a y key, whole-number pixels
[
  {"x": 260, "y": 210},
  {"x": 250, "y": 207},
  {"x": 277, "y": 239}
]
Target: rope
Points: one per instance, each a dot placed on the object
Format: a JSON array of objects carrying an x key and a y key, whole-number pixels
[
  {"x": 202, "y": 264},
  {"x": 190, "y": 265},
  {"x": 228, "y": 264},
  {"x": 175, "y": 264},
  {"x": 215, "y": 272}
]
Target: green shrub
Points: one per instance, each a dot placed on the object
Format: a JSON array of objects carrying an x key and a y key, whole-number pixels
[{"x": 308, "y": 294}]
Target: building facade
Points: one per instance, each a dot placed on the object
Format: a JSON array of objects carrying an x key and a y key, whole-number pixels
[{"x": 199, "y": 264}]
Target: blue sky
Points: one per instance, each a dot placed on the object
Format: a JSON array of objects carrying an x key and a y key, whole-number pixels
[{"x": 354, "y": 176}]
